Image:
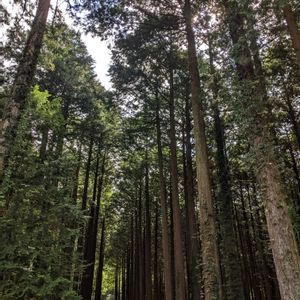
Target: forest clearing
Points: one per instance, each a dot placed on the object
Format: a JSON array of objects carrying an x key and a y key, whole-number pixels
[{"x": 176, "y": 179}]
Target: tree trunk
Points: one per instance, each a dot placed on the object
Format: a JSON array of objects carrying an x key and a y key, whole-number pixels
[
  {"x": 44, "y": 142},
  {"x": 136, "y": 270},
  {"x": 76, "y": 175},
  {"x": 90, "y": 243},
  {"x": 293, "y": 30},
  {"x": 164, "y": 216},
  {"x": 87, "y": 175},
  {"x": 243, "y": 249},
  {"x": 80, "y": 247},
  {"x": 22, "y": 83},
  {"x": 229, "y": 251},
  {"x": 98, "y": 290},
  {"x": 155, "y": 264},
  {"x": 193, "y": 246},
  {"x": 148, "y": 275},
  {"x": 117, "y": 283},
  {"x": 283, "y": 242},
  {"x": 128, "y": 268},
  {"x": 252, "y": 268},
  {"x": 140, "y": 274},
  {"x": 180, "y": 284},
  {"x": 210, "y": 259},
  {"x": 123, "y": 279}
]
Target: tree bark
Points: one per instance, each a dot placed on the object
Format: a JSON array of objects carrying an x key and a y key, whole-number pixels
[
  {"x": 76, "y": 175},
  {"x": 98, "y": 290},
  {"x": 155, "y": 264},
  {"x": 117, "y": 295},
  {"x": 229, "y": 251},
  {"x": 123, "y": 280},
  {"x": 87, "y": 175},
  {"x": 193, "y": 246},
  {"x": 22, "y": 83},
  {"x": 44, "y": 142},
  {"x": 148, "y": 274},
  {"x": 180, "y": 284},
  {"x": 293, "y": 30},
  {"x": 164, "y": 216},
  {"x": 283, "y": 242},
  {"x": 141, "y": 279},
  {"x": 208, "y": 233},
  {"x": 128, "y": 272},
  {"x": 90, "y": 243}
]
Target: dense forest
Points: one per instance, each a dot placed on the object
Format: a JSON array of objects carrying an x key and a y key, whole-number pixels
[{"x": 181, "y": 181}]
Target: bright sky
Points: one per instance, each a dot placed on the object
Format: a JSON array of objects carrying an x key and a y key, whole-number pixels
[
  {"x": 98, "y": 49},
  {"x": 101, "y": 54}
]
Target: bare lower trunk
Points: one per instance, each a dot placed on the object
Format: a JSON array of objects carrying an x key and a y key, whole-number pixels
[
  {"x": 155, "y": 264},
  {"x": 90, "y": 240},
  {"x": 193, "y": 245},
  {"x": 164, "y": 216},
  {"x": 180, "y": 284},
  {"x": 141, "y": 248},
  {"x": 98, "y": 289},
  {"x": 148, "y": 275}
]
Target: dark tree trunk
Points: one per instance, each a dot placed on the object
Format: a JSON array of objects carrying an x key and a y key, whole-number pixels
[
  {"x": 123, "y": 279},
  {"x": 136, "y": 270},
  {"x": 87, "y": 175},
  {"x": 180, "y": 284},
  {"x": 76, "y": 175},
  {"x": 90, "y": 243},
  {"x": 128, "y": 268},
  {"x": 140, "y": 249},
  {"x": 148, "y": 274},
  {"x": 155, "y": 264},
  {"x": 164, "y": 215},
  {"x": 252, "y": 268},
  {"x": 98, "y": 290},
  {"x": 44, "y": 142},
  {"x": 80, "y": 247},
  {"x": 243, "y": 249},
  {"x": 193, "y": 246},
  {"x": 117, "y": 283},
  {"x": 130, "y": 275},
  {"x": 293, "y": 30},
  {"x": 171, "y": 232},
  {"x": 229, "y": 251}
]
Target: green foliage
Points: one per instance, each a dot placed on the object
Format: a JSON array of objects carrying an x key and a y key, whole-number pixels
[
  {"x": 42, "y": 225},
  {"x": 48, "y": 111}
]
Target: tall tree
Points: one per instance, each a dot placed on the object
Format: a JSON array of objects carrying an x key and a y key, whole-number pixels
[
  {"x": 180, "y": 284},
  {"x": 210, "y": 258},
  {"x": 281, "y": 232},
  {"x": 229, "y": 251},
  {"x": 22, "y": 83}
]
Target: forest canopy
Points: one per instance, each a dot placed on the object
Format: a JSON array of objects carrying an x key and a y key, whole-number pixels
[{"x": 179, "y": 182}]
